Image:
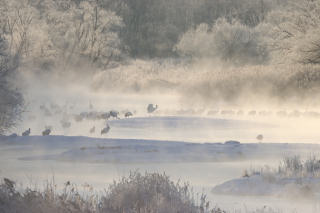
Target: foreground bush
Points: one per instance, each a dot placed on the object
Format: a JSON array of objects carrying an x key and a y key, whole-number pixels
[
  {"x": 290, "y": 167},
  {"x": 150, "y": 193}
]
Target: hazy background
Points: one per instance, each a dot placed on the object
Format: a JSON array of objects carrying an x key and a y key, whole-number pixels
[
  {"x": 218, "y": 69},
  {"x": 207, "y": 53}
]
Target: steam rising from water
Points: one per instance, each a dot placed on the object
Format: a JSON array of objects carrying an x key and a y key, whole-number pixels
[
  {"x": 208, "y": 84},
  {"x": 243, "y": 96}
]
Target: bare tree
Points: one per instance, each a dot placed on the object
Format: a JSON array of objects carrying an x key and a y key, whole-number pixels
[
  {"x": 311, "y": 53},
  {"x": 85, "y": 31},
  {"x": 294, "y": 32},
  {"x": 11, "y": 100}
]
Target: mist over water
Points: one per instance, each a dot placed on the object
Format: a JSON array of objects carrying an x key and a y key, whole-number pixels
[
  {"x": 215, "y": 71},
  {"x": 239, "y": 116},
  {"x": 188, "y": 111}
]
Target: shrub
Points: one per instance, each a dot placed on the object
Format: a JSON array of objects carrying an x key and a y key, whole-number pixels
[
  {"x": 150, "y": 193},
  {"x": 290, "y": 167},
  {"x": 234, "y": 43}
]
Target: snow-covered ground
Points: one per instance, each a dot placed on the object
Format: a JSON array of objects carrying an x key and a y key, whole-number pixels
[
  {"x": 272, "y": 185},
  {"x": 98, "y": 150},
  {"x": 33, "y": 160}
]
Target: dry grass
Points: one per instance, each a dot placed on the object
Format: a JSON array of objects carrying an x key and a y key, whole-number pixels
[
  {"x": 138, "y": 193},
  {"x": 289, "y": 167}
]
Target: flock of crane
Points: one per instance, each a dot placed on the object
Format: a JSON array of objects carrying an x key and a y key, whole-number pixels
[
  {"x": 47, "y": 131},
  {"x": 265, "y": 113},
  {"x": 114, "y": 114},
  {"x": 92, "y": 115}
]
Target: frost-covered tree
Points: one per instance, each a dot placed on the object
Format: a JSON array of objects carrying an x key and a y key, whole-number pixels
[
  {"x": 248, "y": 12},
  {"x": 17, "y": 18},
  {"x": 153, "y": 27},
  {"x": 84, "y": 31},
  {"x": 25, "y": 31},
  {"x": 10, "y": 99},
  {"x": 14, "y": 45},
  {"x": 294, "y": 32},
  {"x": 233, "y": 43},
  {"x": 61, "y": 32}
]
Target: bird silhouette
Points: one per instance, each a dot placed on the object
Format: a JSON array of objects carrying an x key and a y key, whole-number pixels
[
  {"x": 46, "y": 132},
  {"x": 260, "y": 137},
  {"x": 151, "y": 108},
  {"x": 128, "y": 114},
  {"x": 27, "y": 132},
  {"x": 114, "y": 114},
  {"x": 105, "y": 130},
  {"x": 92, "y": 130}
]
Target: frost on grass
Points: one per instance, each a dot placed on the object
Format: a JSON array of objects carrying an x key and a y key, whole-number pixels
[
  {"x": 151, "y": 192},
  {"x": 294, "y": 177}
]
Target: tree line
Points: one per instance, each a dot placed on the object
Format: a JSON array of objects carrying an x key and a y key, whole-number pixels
[{"x": 99, "y": 34}]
